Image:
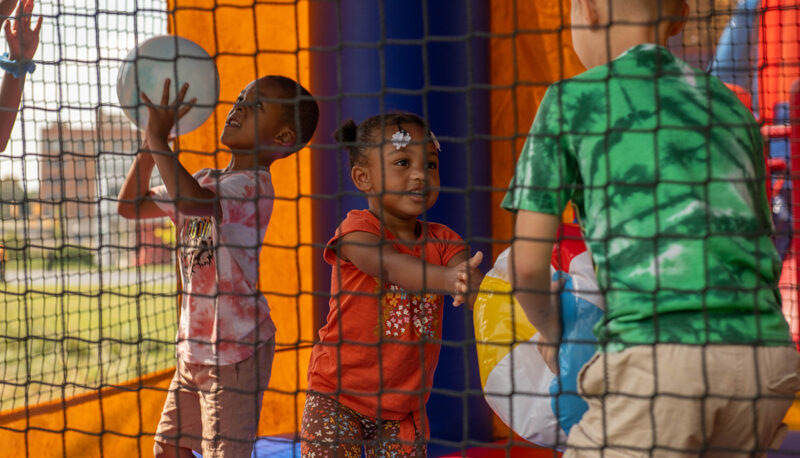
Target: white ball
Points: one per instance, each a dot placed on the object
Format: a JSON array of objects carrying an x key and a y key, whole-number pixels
[{"x": 168, "y": 56}]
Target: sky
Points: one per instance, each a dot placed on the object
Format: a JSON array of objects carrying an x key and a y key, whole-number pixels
[{"x": 82, "y": 44}]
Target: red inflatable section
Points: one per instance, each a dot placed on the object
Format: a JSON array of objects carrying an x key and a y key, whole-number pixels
[
  {"x": 790, "y": 278},
  {"x": 778, "y": 54},
  {"x": 569, "y": 243}
]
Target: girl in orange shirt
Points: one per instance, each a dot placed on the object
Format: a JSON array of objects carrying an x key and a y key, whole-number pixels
[{"x": 371, "y": 372}]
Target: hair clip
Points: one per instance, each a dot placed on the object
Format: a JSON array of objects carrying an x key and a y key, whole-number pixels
[
  {"x": 401, "y": 138},
  {"x": 435, "y": 141}
]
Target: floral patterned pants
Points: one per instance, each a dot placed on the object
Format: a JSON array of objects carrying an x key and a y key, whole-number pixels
[{"x": 330, "y": 429}]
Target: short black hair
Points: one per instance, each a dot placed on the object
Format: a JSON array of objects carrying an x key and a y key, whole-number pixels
[
  {"x": 356, "y": 138},
  {"x": 301, "y": 111}
]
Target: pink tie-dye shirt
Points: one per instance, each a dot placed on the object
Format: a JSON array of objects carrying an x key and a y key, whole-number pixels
[{"x": 224, "y": 315}]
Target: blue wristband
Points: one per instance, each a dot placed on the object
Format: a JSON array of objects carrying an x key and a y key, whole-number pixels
[{"x": 16, "y": 69}]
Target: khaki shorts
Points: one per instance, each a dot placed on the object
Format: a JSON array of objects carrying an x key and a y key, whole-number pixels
[
  {"x": 215, "y": 409},
  {"x": 682, "y": 401}
]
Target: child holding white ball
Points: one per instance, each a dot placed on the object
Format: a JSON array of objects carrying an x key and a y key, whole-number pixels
[{"x": 225, "y": 342}]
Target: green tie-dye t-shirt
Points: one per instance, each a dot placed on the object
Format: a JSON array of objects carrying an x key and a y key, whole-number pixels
[{"x": 666, "y": 168}]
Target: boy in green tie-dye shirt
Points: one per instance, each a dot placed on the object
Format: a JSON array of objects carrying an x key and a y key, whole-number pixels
[{"x": 666, "y": 167}]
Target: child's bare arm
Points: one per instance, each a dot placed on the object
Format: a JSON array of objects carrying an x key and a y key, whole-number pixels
[
  {"x": 375, "y": 257},
  {"x": 22, "y": 44},
  {"x": 190, "y": 198},
  {"x": 132, "y": 202},
  {"x": 531, "y": 251},
  {"x": 10, "y": 96}
]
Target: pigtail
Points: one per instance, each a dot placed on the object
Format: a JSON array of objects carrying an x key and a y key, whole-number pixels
[
  {"x": 347, "y": 138},
  {"x": 346, "y": 134}
]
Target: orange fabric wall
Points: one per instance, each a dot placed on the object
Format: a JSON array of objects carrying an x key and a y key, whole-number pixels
[
  {"x": 117, "y": 421},
  {"x": 251, "y": 40},
  {"x": 531, "y": 48}
]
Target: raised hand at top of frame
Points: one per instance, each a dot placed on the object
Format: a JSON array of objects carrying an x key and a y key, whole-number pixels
[{"x": 22, "y": 39}]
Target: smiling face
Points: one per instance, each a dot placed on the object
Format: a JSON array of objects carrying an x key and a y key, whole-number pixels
[
  {"x": 257, "y": 122},
  {"x": 405, "y": 180}
]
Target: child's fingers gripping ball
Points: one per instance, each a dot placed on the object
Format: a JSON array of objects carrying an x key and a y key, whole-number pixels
[
  {"x": 163, "y": 116},
  {"x": 181, "y": 61},
  {"x": 518, "y": 384}
]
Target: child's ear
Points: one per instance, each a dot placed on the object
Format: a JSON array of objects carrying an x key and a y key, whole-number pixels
[
  {"x": 676, "y": 26},
  {"x": 360, "y": 176},
  {"x": 286, "y": 137},
  {"x": 589, "y": 11}
]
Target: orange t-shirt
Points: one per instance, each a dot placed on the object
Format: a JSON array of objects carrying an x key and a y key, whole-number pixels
[{"x": 379, "y": 349}]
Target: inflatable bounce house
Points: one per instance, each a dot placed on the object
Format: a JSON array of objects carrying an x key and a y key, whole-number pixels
[{"x": 476, "y": 70}]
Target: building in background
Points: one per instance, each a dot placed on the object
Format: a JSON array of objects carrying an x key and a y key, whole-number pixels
[{"x": 81, "y": 171}]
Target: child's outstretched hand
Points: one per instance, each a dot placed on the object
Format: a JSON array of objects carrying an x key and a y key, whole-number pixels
[
  {"x": 162, "y": 117},
  {"x": 22, "y": 40},
  {"x": 468, "y": 280}
]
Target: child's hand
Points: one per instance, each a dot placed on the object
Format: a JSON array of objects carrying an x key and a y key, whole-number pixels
[
  {"x": 468, "y": 280},
  {"x": 549, "y": 351},
  {"x": 550, "y": 340},
  {"x": 22, "y": 40},
  {"x": 162, "y": 117}
]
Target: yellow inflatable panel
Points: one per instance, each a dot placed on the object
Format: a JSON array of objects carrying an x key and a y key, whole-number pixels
[{"x": 499, "y": 315}]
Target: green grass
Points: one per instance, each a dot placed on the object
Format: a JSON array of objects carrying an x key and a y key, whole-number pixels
[
  {"x": 57, "y": 342},
  {"x": 41, "y": 264}
]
